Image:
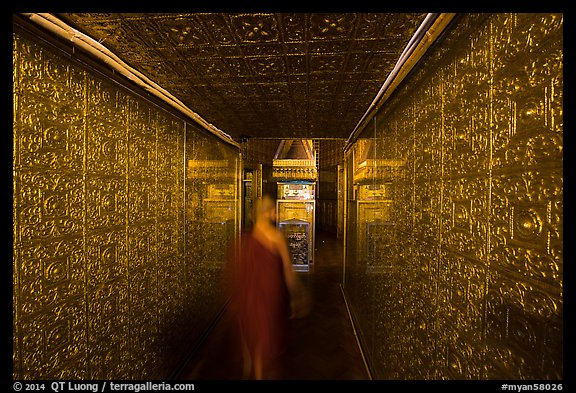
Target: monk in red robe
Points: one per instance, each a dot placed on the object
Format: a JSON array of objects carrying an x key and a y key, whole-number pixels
[{"x": 266, "y": 293}]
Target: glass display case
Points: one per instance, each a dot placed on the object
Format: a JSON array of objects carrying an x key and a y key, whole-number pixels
[
  {"x": 298, "y": 235},
  {"x": 295, "y": 216}
]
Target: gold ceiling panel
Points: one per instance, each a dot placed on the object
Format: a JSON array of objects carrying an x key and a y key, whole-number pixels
[{"x": 262, "y": 74}]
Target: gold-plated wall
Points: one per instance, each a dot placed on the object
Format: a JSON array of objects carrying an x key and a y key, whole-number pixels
[
  {"x": 113, "y": 275},
  {"x": 471, "y": 285}
]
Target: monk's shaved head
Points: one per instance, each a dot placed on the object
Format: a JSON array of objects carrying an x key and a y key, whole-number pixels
[{"x": 264, "y": 205}]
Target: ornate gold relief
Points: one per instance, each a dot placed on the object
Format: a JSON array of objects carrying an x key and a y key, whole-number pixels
[
  {"x": 103, "y": 287},
  {"x": 477, "y": 210},
  {"x": 247, "y": 73}
]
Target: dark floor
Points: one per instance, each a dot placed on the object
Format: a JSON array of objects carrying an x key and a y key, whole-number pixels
[{"x": 322, "y": 345}]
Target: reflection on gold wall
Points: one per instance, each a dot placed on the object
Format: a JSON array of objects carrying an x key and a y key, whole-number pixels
[
  {"x": 471, "y": 285},
  {"x": 112, "y": 279},
  {"x": 328, "y": 197}
]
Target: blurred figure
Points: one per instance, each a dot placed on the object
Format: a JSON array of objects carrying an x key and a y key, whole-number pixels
[{"x": 265, "y": 293}]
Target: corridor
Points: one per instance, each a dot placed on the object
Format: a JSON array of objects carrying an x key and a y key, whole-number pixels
[
  {"x": 415, "y": 163},
  {"x": 322, "y": 345}
]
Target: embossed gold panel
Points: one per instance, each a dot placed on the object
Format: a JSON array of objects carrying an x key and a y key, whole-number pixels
[
  {"x": 473, "y": 287},
  {"x": 269, "y": 75},
  {"x": 109, "y": 282}
]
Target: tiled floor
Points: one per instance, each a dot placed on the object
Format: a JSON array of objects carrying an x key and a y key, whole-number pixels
[{"x": 322, "y": 344}]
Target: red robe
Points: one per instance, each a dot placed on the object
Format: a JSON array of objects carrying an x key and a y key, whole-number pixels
[{"x": 260, "y": 299}]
